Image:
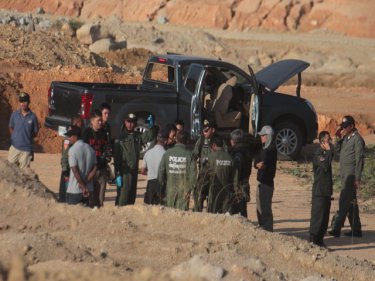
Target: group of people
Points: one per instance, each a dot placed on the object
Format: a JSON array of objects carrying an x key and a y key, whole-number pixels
[
  {"x": 349, "y": 147},
  {"x": 213, "y": 175}
]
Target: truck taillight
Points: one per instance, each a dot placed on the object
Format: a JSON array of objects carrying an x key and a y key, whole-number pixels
[
  {"x": 86, "y": 103},
  {"x": 50, "y": 107}
]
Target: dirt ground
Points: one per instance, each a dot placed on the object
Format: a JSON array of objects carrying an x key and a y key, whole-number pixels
[
  {"x": 57, "y": 242},
  {"x": 143, "y": 242}
]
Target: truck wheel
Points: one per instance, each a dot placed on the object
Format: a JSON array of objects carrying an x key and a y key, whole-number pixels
[{"x": 288, "y": 140}]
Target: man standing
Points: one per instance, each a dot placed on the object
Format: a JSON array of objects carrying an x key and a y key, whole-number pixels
[
  {"x": 322, "y": 189},
  {"x": 82, "y": 162},
  {"x": 126, "y": 157},
  {"x": 105, "y": 109},
  {"x": 201, "y": 152},
  {"x": 97, "y": 138},
  {"x": 23, "y": 128},
  {"x": 265, "y": 163},
  {"x": 221, "y": 175},
  {"x": 65, "y": 169},
  {"x": 150, "y": 167},
  {"x": 350, "y": 147},
  {"x": 177, "y": 174},
  {"x": 242, "y": 155}
]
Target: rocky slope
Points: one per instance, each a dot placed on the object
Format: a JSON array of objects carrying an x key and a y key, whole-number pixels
[{"x": 235, "y": 15}]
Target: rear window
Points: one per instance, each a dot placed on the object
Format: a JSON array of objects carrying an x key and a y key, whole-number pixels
[{"x": 160, "y": 72}]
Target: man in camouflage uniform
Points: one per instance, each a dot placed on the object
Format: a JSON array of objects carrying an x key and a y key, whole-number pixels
[
  {"x": 221, "y": 174},
  {"x": 242, "y": 154},
  {"x": 126, "y": 158},
  {"x": 177, "y": 174},
  {"x": 350, "y": 147},
  {"x": 201, "y": 152}
]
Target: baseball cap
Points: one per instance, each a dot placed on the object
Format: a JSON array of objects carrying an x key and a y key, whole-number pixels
[
  {"x": 266, "y": 130},
  {"x": 24, "y": 97},
  {"x": 73, "y": 131},
  {"x": 347, "y": 120},
  {"x": 131, "y": 117},
  {"x": 208, "y": 124}
]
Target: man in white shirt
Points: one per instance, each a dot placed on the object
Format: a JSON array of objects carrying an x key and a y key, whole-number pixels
[
  {"x": 82, "y": 162},
  {"x": 150, "y": 167}
]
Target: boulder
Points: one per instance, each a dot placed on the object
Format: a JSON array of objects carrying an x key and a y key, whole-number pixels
[
  {"x": 196, "y": 269},
  {"x": 103, "y": 45},
  {"x": 67, "y": 29},
  {"x": 89, "y": 33}
]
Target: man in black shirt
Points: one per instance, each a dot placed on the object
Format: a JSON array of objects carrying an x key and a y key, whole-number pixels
[
  {"x": 265, "y": 163},
  {"x": 322, "y": 189},
  {"x": 96, "y": 136}
]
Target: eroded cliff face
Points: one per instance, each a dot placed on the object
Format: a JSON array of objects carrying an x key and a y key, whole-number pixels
[{"x": 353, "y": 18}]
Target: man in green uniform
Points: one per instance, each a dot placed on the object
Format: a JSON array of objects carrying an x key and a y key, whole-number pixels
[
  {"x": 350, "y": 147},
  {"x": 126, "y": 158},
  {"x": 221, "y": 175},
  {"x": 242, "y": 154},
  {"x": 201, "y": 152},
  {"x": 177, "y": 174},
  {"x": 322, "y": 189}
]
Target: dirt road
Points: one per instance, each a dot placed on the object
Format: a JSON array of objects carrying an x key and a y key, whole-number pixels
[{"x": 291, "y": 207}]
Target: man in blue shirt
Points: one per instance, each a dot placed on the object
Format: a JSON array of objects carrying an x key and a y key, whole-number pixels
[{"x": 23, "y": 127}]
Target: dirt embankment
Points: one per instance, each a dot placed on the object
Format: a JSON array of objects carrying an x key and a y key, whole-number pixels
[
  {"x": 234, "y": 15},
  {"x": 62, "y": 242}
]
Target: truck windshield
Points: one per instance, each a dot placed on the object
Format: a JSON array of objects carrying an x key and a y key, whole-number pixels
[{"x": 160, "y": 72}]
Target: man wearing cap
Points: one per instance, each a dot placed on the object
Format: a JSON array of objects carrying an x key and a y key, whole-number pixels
[
  {"x": 23, "y": 128},
  {"x": 82, "y": 162},
  {"x": 177, "y": 174},
  {"x": 126, "y": 158},
  {"x": 265, "y": 163},
  {"x": 350, "y": 147},
  {"x": 150, "y": 167},
  {"x": 201, "y": 152}
]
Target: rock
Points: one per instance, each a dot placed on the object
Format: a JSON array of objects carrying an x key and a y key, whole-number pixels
[
  {"x": 45, "y": 25},
  {"x": 40, "y": 11},
  {"x": 103, "y": 45},
  {"x": 88, "y": 33},
  {"x": 162, "y": 20},
  {"x": 17, "y": 271},
  {"x": 159, "y": 40},
  {"x": 196, "y": 268},
  {"x": 256, "y": 265},
  {"x": 22, "y": 21},
  {"x": 67, "y": 29}
]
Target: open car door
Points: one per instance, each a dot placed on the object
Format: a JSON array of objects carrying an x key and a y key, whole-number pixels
[
  {"x": 255, "y": 102},
  {"x": 193, "y": 83}
]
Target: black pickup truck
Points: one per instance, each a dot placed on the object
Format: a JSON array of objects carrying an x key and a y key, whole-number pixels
[{"x": 192, "y": 89}]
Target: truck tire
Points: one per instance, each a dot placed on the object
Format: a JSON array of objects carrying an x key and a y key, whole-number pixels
[{"x": 288, "y": 140}]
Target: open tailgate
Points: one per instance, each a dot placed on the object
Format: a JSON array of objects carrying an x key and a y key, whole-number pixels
[{"x": 278, "y": 73}]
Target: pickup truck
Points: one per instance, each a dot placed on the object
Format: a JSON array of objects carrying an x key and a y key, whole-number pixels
[{"x": 192, "y": 89}]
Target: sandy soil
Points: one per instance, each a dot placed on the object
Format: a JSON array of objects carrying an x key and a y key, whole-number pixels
[{"x": 116, "y": 243}]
